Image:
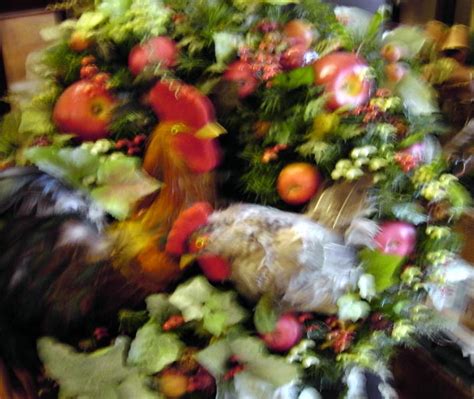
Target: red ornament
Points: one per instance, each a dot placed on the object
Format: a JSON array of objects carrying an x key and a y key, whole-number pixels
[
  {"x": 242, "y": 74},
  {"x": 396, "y": 238},
  {"x": 345, "y": 78},
  {"x": 297, "y": 183},
  {"x": 395, "y": 72},
  {"x": 158, "y": 50},
  {"x": 294, "y": 57},
  {"x": 173, "y": 322},
  {"x": 85, "y": 109},
  {"x": 299, "y": 32},
  {"x": 288, "y": 332}
]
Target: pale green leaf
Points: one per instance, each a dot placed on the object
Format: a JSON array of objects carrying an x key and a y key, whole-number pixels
[
  {"x": 384, "y": 267},
  {"x": 68, "y": 164},
  {"x": 36, "y": 121},
  {"x": 121, "y": 184},
  {"x": 159, "y": 307},
  {"x": 418, "y": 96},
  {"x": 97, "y": 375},
  {"x": 191, "y": 296},
  {"x": 274, "y": 369},
  {"x": 410, "y": 38},
  {"x": 411, "y": 212},
  {"x": 265, "y": 316},
  {"x": 152, "y": 350},
  {"x": 214, "y": 358}
]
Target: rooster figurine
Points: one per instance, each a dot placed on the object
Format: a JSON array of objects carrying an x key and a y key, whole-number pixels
[
  {"x": 62, "y": 265},
  {"x": 303, "y": 265}
]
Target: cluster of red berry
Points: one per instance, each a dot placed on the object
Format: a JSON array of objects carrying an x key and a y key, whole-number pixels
[
  {"x": 89, "y": 70},
  {"x": 406, "y": 161},
  {"x": 132, "y": 147},
  {"x": 271, "y": 153}
]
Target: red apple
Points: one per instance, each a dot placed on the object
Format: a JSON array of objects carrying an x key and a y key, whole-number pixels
[
  {"x": 344, "y": 77},
  {"x": 396, "y": 238},
  {"x": 158, "y": 50},
  {"x": 297, "y": 183},
  {"x": 395, "y": 72},
  {"x": 242, "y": 74},
  {"x": 288, "y": 332},
  {"x": 299, "y": 32},
  {"x": 392, "y": 53},
  {"x": 85, "y": 109},
  {"x": 293, "y": 57}
]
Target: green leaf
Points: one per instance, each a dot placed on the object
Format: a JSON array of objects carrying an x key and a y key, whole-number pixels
[
  {"x": 98, "y": 375},
  {"x": 198, "y": 300},
  {"x": 214, "y": 358},
  {"x": 265, "y": 316},
  {"x": 221, "y": 312},
  {"x": 411, "y": 212},
  {"x": 68, "y": 164},
  {"x": 121, "y": 184},
  {"x": 152, "y": 350},
  {"x": 352, "y": 308},
  {"x": 160, "y": 308},
  {"x": 36, "y": 121},
  {"x": 384, "y": 267},
  {"x": 274, "y": 369},
  {"x": 296, "y": 78},
  {"x": 418, "y": 96},
  {"x": 190, "y": 298},
  {"x": 410, "y": 38}
]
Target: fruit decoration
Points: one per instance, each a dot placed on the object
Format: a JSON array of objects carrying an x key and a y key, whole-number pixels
[
  {"x": 329, "y": 122},
  {"x": 242, "y": 74},
  {"x": 159, "y": 50},
  {"x": 299, "y": 32},
  {"x": 345, "y": 79},
  {"x": 297, "y": 183},
  {"x": 287, "y": 333},
  {"x": 85, "y": 109},
  {"x": 397, "y": 238}
]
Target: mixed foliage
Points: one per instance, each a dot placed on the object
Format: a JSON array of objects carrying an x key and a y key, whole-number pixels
[{"x": 199, "y": 330}]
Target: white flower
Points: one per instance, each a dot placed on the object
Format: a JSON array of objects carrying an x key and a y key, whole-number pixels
[
  {"x": 309, "y": 361},
  {"x": 309, "y": 393},
  {"x": 351, "y": 308},
  {"x": 353, "y": 173},
  {"x": 366, "y": 286}
]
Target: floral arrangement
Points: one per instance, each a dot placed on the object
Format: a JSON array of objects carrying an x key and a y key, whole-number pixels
[{"x": 310, "y": 96}]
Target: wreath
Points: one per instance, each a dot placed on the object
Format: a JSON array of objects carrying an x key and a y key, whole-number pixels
[{"x": 298, "y": 108}]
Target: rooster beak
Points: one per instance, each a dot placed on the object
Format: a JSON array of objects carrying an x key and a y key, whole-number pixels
[
  {"x": 186, "y": 260},
  {"x": 210, "y": 131}
]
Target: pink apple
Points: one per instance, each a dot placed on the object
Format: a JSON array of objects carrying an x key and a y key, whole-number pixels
[
  {"x": 85, "y": 109},
  {"x": 345, "y": 79},
  {"x": 242, "y": 74},
  {"x": 288, "y": 332},
  {"x": 299, "y": 32},
  {"x": 396, "y": 238},
  {"x": 158, "y": 50},
  {"x": 395, "y": 72}
]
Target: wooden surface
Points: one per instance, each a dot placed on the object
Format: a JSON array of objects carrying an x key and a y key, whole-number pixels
[{"x": 19, "y": 36}]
